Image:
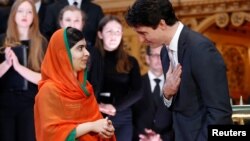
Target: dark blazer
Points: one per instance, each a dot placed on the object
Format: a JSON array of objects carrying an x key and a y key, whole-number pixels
[
  {"x": 203, "y": 97},
  {"x": 126, "y": 87},
  {"x": 93, "y": 11},
  {"x": 4, "y": 15},
  {"x": 41, "y": 14},
  {"x": 150, "y": 112}
]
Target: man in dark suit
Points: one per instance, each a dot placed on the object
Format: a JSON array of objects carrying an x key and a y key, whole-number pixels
[
  {"x": 196, "y": 88},
  {"x": 41, "y": 9},
  {"x": 5, "y": 7},
  {"x": 150, "y": 112},
  {"x": 93, "y": 11},
  {"x": 4, "y": 15}
]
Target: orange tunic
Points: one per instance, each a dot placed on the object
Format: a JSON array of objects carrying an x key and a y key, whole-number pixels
[{"x": 61, "y": 104}]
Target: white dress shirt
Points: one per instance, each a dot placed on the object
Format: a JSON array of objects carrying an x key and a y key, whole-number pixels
[
  {"x": 173, "y": 48},
  {"x": 38, "y": 5},
  {"x": 78, "y": 1},
  {"x": 153, "y": 83}
]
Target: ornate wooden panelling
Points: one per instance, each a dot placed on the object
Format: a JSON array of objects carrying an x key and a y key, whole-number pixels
[{"x": 225, "y": 22}]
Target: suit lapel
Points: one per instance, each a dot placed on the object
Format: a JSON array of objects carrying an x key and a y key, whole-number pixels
[
  {"x": 181, "y": 44},
  {"x": 181, "y": 52}
]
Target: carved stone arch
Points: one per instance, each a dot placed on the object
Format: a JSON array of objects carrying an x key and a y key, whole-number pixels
[
  {"x": 221, "y": 19},
  {"x": 190, "y": 22}
]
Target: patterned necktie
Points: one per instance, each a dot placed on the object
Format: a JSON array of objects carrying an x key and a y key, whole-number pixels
[
  {"x": 171, "y": 58},
  {"x": 157, "y": 89}
]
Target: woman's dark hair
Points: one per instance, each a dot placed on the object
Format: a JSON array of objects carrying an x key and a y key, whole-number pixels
[{"x": 74, "y": 35}]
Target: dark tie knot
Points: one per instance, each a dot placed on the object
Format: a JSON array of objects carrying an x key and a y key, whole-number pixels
[
  {"x": 157, "y": 81},
  {"x": 75, "y": 3}
]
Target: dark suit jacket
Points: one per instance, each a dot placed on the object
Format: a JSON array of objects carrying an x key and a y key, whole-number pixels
[
  {"x": 4, "y": 15},
  {"x": 203, "y": 97},
  {"x": 94, "y": 14},
  {"x": 41, "y": 14},
  {"x": 150, "y": 112}
]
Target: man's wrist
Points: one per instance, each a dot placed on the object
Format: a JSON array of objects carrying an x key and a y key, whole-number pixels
[{"x": 166, "y": 95}]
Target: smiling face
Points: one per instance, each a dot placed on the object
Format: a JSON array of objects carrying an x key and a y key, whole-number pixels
[
  {"x": 149, "y": 36},
  {"x": 111, "y": 35},
  {"x": 72, "y": 19},
  {"x": 80, "y": 56},
  {"x": 24, "y": 15}
]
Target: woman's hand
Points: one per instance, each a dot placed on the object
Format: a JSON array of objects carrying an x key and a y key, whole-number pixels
[
  {"x": 7, "y": 63},
  {"x": 15, "y": 61},
  {"x": 8, "y": 54},
  {"x": 104, "y": 128},
  {"x": 108, "y": 109}
]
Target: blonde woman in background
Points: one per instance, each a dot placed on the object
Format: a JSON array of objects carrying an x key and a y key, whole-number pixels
[{"x": 23, "y": 47}]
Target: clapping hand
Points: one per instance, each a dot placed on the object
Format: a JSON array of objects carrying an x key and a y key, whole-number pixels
[
  {"x": 14, "y": 60},
  {"x": 8, "y": 53}
]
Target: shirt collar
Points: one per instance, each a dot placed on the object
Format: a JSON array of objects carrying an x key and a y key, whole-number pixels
[
  {"x": 152, "y": 76},
  {"x": 38, "y": 5},
  {"x": 174, "y": 42},
  {"x": 78, "y": 1}
]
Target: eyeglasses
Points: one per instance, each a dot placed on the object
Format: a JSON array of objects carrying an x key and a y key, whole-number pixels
[{"x": 155, "y": 55}]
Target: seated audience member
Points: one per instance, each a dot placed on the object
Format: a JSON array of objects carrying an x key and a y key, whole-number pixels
[{"x": 5, "y": 6}]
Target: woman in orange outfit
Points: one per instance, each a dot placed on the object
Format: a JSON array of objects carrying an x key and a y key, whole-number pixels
[{"x": 65, "y": 106}]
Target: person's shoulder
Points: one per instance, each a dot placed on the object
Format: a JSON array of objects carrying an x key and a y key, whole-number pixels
[
  {"x": 132, "y": 58},
  {"x": 92, "y": 5},
  {"x": 48, "y": 92},
  {"x": 48, "y": 87},
  {"x": 194, "y": 35},
  {"x": 145, "y": 76},
  {"x": 56, "y": 4}
]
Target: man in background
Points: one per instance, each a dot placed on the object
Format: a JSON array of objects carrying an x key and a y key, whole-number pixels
[{"x": 150, "y": 112}]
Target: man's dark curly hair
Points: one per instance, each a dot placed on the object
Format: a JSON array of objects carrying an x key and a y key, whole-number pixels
[{"x": 150, "y": 12}]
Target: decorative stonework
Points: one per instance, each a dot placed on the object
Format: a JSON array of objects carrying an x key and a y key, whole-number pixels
[
  {"x": 237, "y": 18},
  {"x": 235, "y": 57},
  {"x": 195, "y": 8},
  {"x": 222, "y": 20}
]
